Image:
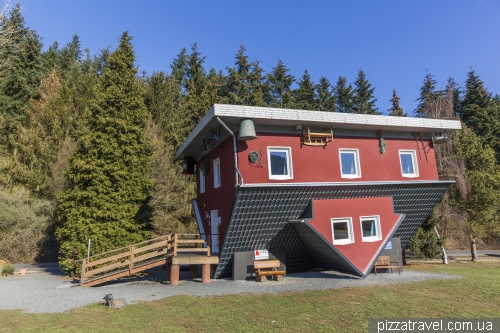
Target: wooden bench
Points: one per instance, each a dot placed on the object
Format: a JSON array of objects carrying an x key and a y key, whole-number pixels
[
  {"x": 264, "y": 268},
  {"x": 384, "y": 262}
]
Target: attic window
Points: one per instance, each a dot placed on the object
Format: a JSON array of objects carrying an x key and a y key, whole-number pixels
[{"x": 342, "y": 231}]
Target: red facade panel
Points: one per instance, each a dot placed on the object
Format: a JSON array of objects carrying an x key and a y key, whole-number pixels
[
  {"x": 221, "y": 198},
  {"x": 360, "y": 253},
  {"x": 322, "y": 164}
]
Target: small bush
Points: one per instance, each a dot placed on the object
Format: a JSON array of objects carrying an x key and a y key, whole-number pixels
[{"x": 8, "y": 270}]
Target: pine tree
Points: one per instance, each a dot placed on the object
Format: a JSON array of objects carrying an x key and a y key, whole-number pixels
[
  {"x": 238, "y": 85},
  {"x": 280, "y": 83},
  {"x": 195, "y": 72},
  {"x": 345, "y": 96},
  {"x": 179, "y": 67},
  {"x": 480, "y": 113},
  {"x": 396, "y": 110},
  {"x": 427, "y": 98},
  {"x": 325, "y": 95},
  {"x": 107, "y": 172},
  {"x": 36, "y": 144},
  {"x": 258, "y": 86},
  {"x": 305, "y": 94},
  {"x": 364, "y": 100},
  {"x": 22, "y": 77}
]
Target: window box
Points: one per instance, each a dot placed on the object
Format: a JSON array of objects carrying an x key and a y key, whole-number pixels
[
  {"x": 217, "y": 180},
  {"x": 408, "y": 162},
  {"x": 349, "y": 163},
  {"x": 370, "y": 228},
  {"x": 342, "y": 231},
  {"x": 280, "y": 162}
]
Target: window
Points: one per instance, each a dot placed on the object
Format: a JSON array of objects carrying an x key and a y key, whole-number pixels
[
  {"x": 408, "y": 160},
  {"x": 342, "y": 231},
  {"x": 202, "y": 182},
  {"x": 370, "y": 228},
  {"x": 217, "y": 172},
  {"x": 349, "y": 163},
  {"x": 280, "y": 162}
]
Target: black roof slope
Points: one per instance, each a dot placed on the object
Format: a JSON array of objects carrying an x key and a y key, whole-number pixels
[{"x": 261, "y": 215}]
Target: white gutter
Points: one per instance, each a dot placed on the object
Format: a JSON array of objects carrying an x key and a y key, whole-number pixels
[{"x": 235, "y": 155}]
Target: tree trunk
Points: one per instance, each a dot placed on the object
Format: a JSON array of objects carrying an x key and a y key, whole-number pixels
[
  {"x": 444, "y": 257},
  {"x": 473, "y": 249},
  {"x": 404, "y": 257}
]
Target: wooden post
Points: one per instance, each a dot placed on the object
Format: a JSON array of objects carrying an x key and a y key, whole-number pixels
[
  {"x": 174, "y": 275},
  {"x": 194, "y": 271},
  {"x": 131, "y": 258},
  {"x": 175, "y": 244},
  {"x": 205, "y": 273},
  {"x": 82, "y": 279},
  {"x": 168, "y": 267}
]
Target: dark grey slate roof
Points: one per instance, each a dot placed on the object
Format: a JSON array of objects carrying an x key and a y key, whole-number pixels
[{"x": 261, "y": 213}]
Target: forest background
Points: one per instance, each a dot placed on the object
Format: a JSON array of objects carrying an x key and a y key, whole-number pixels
[{"x": 87, "y": 143}]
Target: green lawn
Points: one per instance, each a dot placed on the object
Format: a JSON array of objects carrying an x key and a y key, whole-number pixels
[{"x": 477, "y": 295}]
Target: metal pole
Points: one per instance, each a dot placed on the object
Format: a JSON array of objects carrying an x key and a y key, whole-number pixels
[{"x": 88, "y": 249}]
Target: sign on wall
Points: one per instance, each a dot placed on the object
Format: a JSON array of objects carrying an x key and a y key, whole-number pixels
[{"x": 261, "y": 254}]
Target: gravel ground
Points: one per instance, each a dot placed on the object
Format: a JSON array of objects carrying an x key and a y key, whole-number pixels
[{"x": 48, "y": 291}]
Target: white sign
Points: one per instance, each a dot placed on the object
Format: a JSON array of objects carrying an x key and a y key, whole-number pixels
[
  {"x": 261, "y": 254},
  {"x": 389, "y": 246}
]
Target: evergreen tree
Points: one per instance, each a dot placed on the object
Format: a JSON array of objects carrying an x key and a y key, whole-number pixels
[
  {"x": 280, "y": 83},
  {"x": 37, "y": 143},
  {"x": 179, "y": 67},
  {"x": 345, "y": 96},
  {"x": 427, "y": 98},
  {"x": 325, "y": 95},
  {"x": 238, "y": 85},
  {"x": 396, "y": 110},
  {"x": 480, "y": 198},
  {"x": 107, "y": 172},
  {"x": 195, "y": 71},
  {"x": 480, "y": 113},
  {"x": 258, "y": 86},
  {"x": 22, "y": 78},
  {"x": 455, "y": 88},
  {"x": 305, "y": 95},
  {"x": 364, "y": 100}
]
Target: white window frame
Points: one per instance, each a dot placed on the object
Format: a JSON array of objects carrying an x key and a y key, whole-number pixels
[
  {"x": 288, "y": 151},
  {"x": 202, "y": 182},
  {"x": 216, "y": 167},
  {"x": 350, "y": 232},
  {"x": 413, "y": 154},
  {"x": 378, "y": 236},
  {"x": 356, "y": 161}
]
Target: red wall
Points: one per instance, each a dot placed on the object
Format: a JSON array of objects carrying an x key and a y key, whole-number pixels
[
  {"x": 318, "y": 164},
  {"x": 359, "y": 253},
  {"x": 220, "y": 198}
]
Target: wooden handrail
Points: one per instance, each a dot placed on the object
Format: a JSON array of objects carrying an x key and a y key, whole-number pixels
[{"x": 133, "y": 255}]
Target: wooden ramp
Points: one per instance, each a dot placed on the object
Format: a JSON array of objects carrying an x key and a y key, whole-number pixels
[{"x": 138, "y": 257}]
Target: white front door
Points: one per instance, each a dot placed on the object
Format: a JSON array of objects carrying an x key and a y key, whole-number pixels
[{"x": 214, "y": 224}]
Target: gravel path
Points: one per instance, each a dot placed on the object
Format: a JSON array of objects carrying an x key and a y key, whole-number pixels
[{"x": 49, "y": 291}]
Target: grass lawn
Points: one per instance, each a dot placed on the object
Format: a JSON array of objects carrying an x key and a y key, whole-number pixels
[{"x": 477, "y": 295}]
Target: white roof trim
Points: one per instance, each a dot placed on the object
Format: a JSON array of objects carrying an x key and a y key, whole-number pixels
[{"x": 292, "y": 116}]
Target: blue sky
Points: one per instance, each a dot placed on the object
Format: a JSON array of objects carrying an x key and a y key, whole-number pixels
[{"x": 394, "y": 42}]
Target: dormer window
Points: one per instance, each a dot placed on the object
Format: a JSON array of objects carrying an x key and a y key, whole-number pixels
[
  {"x": 280, "y": 162},
  {"x": 349, "y": 163}
]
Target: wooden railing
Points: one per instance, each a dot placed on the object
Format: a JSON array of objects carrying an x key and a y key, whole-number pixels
[{"x": 138, "y": 257}]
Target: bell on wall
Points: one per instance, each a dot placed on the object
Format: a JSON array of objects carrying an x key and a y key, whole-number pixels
[{"x": 247, "y": 130}]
